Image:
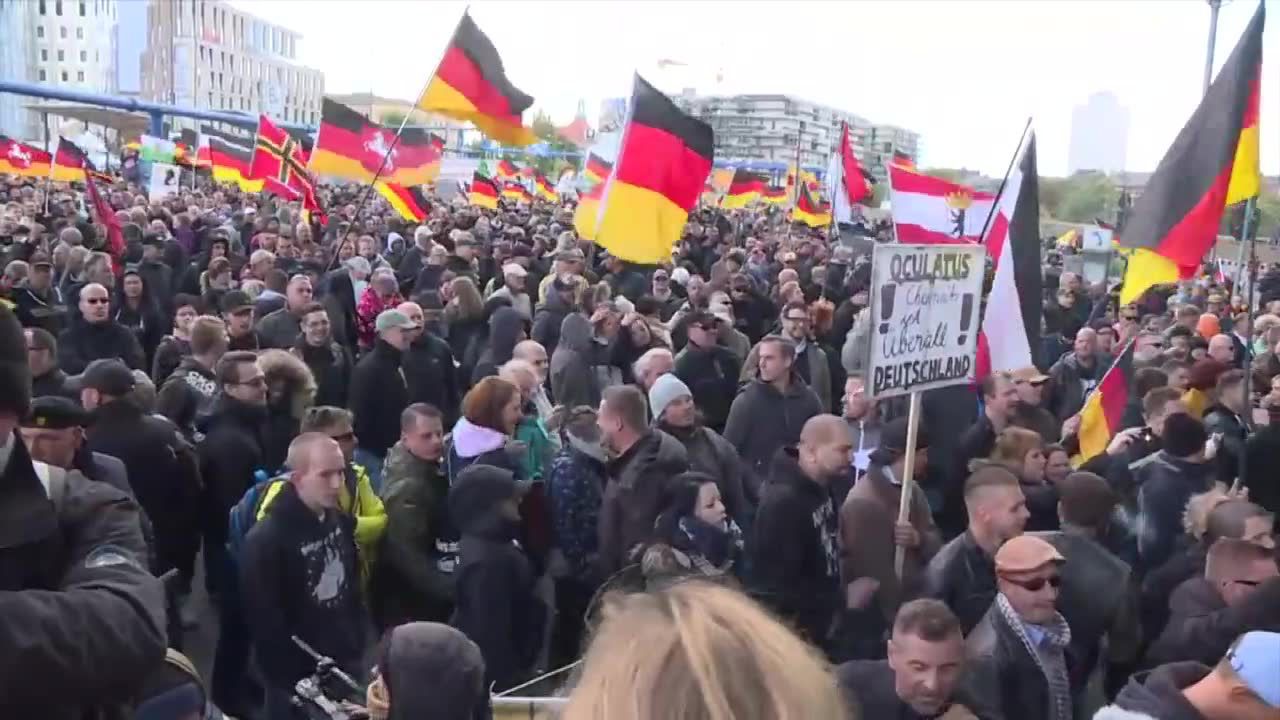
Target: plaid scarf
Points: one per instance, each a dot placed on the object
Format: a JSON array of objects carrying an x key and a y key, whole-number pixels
[{"x": 1050, "y": 656}]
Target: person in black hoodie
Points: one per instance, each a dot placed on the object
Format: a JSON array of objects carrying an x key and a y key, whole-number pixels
[
  {"x": 156, "y": 274},
  {"x": 42, "y": 357},
  {"x": 94, "y": 335},
  {"x": 506, "y": 328},
  {"x": 1242, "y": 686},
  {"x": 177, "y": 344},
  {"x": 138, "y": 310},
  {"x": 301, "y": 575},
  {"x": 329, "y": 362},
  {"x": 430, "y": 670},
  {"x": 793, "y": 550},
  {"x": 1166, "y": 483},
  {"x": 551, "y": 313},
  {"x": 379, "y": 392},
  {"x": 496, "y": 604}
]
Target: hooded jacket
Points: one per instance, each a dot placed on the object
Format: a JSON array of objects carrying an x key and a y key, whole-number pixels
[
  {"x": 497, "y": 607},
  {"x": 432, "y": 670},
  {"x": 285, "y": 408},
  {"x": 146, "y": 322},
  {"x": 169, "y": 353},
  {"x": 793, "y": 551},
  {"x": 547, "y": 320},
  {"x": 331, "y": 366},
  {"x": 574, "y": 381},
  {"x": 712, "y": 376},
  {"x": 305, "y": 575},
  {"x": 762, "y": 420},
  {"x": 1157, "y": 695},
  {"x": 475, "y": 444},
  {"x": 575, "y": 489},
  {"x": 634, "y": 495},
  {"x": 505, "y": 328},
  {"x": 1165, "y": 484}
]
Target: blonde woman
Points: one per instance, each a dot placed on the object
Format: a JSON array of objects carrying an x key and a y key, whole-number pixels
[
  {"x": 699, "y": 651},
  {"x": 1022, "y": 451}
]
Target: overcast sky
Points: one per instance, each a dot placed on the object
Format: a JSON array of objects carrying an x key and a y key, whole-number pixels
[{"x": 965, "y": 75}]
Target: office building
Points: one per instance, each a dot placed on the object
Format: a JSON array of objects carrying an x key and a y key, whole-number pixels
[
  {"x": 765, "y": 130},
  {"x": 1099, "y": 135},
  {"x": 61, "y": 43},
  {"x": 208, "y": 55}
]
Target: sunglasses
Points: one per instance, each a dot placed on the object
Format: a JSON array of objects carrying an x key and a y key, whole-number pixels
[
  {"x": 96, "y": 301},
  {"x": 344, "y": 437},
  {"x": 1037, "y": 584}
]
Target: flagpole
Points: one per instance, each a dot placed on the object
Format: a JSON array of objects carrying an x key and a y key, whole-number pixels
[
  {"x": 1000, "y": 191},
  {"x": 364, "y": 197},
  {"x": 794, "y": 202}
]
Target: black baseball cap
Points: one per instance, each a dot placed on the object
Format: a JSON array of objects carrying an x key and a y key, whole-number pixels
[
  {"x": 108, "y": 376},
  {"x": 235, "y": 300}
]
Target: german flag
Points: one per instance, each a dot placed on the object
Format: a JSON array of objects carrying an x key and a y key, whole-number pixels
[
  {"x": 662, "y": 164},
  {"x": 774, "y": 195},
  {"x": 514, "y": 190},
  {"x": 809, "y": 211},
  {"x": 596, "y": 169},
  {"x": 351, "y": 147},
  {"x": 745, "y": 188},
  {"x": 230, "y": 157},
  {"x": 409, "y": 200},
  {"x": 21, "y": 159},
  {"x": 484, "y": 192},
  {"x": 1212, "y": 163},
  {"x": 587, "y": 214},
  {"x": 1103, "y": 410},
  {"x": 507, "y": 169},
  {"x": 902, "y": 160},
  {"x": 471, "y": 84},
  {"x": 545, "y": 189},
  {"x": 69, "y": 162}
]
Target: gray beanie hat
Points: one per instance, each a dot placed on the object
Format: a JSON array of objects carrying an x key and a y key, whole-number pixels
[{"x": 666, "y": 390}]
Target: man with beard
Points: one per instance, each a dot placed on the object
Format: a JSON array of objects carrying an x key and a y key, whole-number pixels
[
  {"x": 924, "y": 677},
  {"x": 674, "y": 412},
  {"x": 962, "y": 574},
  {"x": 794, "y": 544},
  {"x": 96, "y": 336}
]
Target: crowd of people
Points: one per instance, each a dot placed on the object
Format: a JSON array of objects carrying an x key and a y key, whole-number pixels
[{"x": 476, "y": 450}]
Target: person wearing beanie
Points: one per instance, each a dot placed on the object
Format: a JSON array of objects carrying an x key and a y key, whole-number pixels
[
  {"x": 674, "y": 412},
  {"x": 82, "y": 616},
  {"x": 429, "y": 670},
  {"x": 870, "y": 531},
  {"x": 496, "y": 604},
  {"x": 1167, "y": 482}
]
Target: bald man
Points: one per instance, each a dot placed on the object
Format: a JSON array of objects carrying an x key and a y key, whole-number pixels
[
  {"x": 1222, "y": 349},
  {"x": 95, "y": 335},
  {"x": 429, "y": 369},
  {"x": 532, "y": 352},
  {"x": 301, "y": 575},
  {"x": 794, "y": 543},
  {"x": 1075, "y": 375}
]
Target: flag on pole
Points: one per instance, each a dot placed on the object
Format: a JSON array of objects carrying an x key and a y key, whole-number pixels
[
  {"x": 69, "y": 162},
  {"x": 483, "y": 193},
  {"x": 106, "y": 215},
  {"x": 745, "y": 188},
  {"x": 280, "y": 161},
  {"x": 774, "y": 195},
  {"x": 21, "y": 159},
  {"x": 1010, "y": 336},
  {"x": 1103, "y": 413},
  {"x": 587, "y": 214},
  {"x": 596, "y": 169},
  {"x": 544, "y": 188},
  {"x": 471, "y": 84},
  {"x": 663, "y": 161},
  {"x": 507, "y": 170},
  {"x": 809, "y": 211},
  {"x": 350, "y": 146},
  {"x": 407, "y": 200},
  {"x": 853, "y": 178},
  {"x": 902, "y": 160},
  {"x": 1212, "y": 163},
  {"x": 932, "y": 210},
  {"x": 230, "y": 158}
]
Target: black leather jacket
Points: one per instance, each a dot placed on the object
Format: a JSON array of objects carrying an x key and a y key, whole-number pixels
[{"x": 963, "y": 576}]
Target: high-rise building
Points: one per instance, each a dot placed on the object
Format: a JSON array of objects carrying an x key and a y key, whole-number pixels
[
  {"x": 66, "y": 43},
  {"x": 208, "y": 55},
  {"x": 768, "y": 128},
  {"x": 1099, "y": 135}
]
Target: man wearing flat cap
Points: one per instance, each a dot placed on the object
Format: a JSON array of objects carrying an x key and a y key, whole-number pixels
[
  {"x": 54, "y": 433},
  {"x": 1020, "y": 650},
  {"x": 870, "y": 531}
]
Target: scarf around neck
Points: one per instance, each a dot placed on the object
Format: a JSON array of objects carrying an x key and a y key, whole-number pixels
[{"x": 1054, "y": 667}]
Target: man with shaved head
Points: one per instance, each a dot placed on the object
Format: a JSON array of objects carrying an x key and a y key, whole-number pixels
[
  {"x": 1075, "y": 375},
  {"x": 1222, "y": 349},
  {"x": 794, "y": 544},
  {"x": 428, "y": 367},
  {"x": 532, "y": 352},
  {"x": 94, "y": 335}
]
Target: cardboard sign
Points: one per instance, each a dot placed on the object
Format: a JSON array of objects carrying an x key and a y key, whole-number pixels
[
  {"x": 925, "y": 308},
  {"x": 164, "y": 180}
]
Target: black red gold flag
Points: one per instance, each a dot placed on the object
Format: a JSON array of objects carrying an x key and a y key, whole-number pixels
[
  {"x": 745, "y": 188},
  {"x": 352, "y": 147},
  {"x": 483, "y": 193},
  {"x": 408, "y": 200}
]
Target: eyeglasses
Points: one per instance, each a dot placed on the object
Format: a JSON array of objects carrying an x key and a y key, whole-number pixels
[
  {"x": 796, "y": 319},
  {"x": 1037, "y": 584}
]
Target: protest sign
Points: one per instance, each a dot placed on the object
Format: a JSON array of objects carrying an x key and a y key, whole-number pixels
[
  {"x": 924, "y": 316},
  {"x": 164, "y": 180}
]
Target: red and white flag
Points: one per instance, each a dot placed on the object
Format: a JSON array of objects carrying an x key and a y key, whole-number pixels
[
  {"x": 1010, "y": 336},
  {"x": 932, "y": 210}
]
